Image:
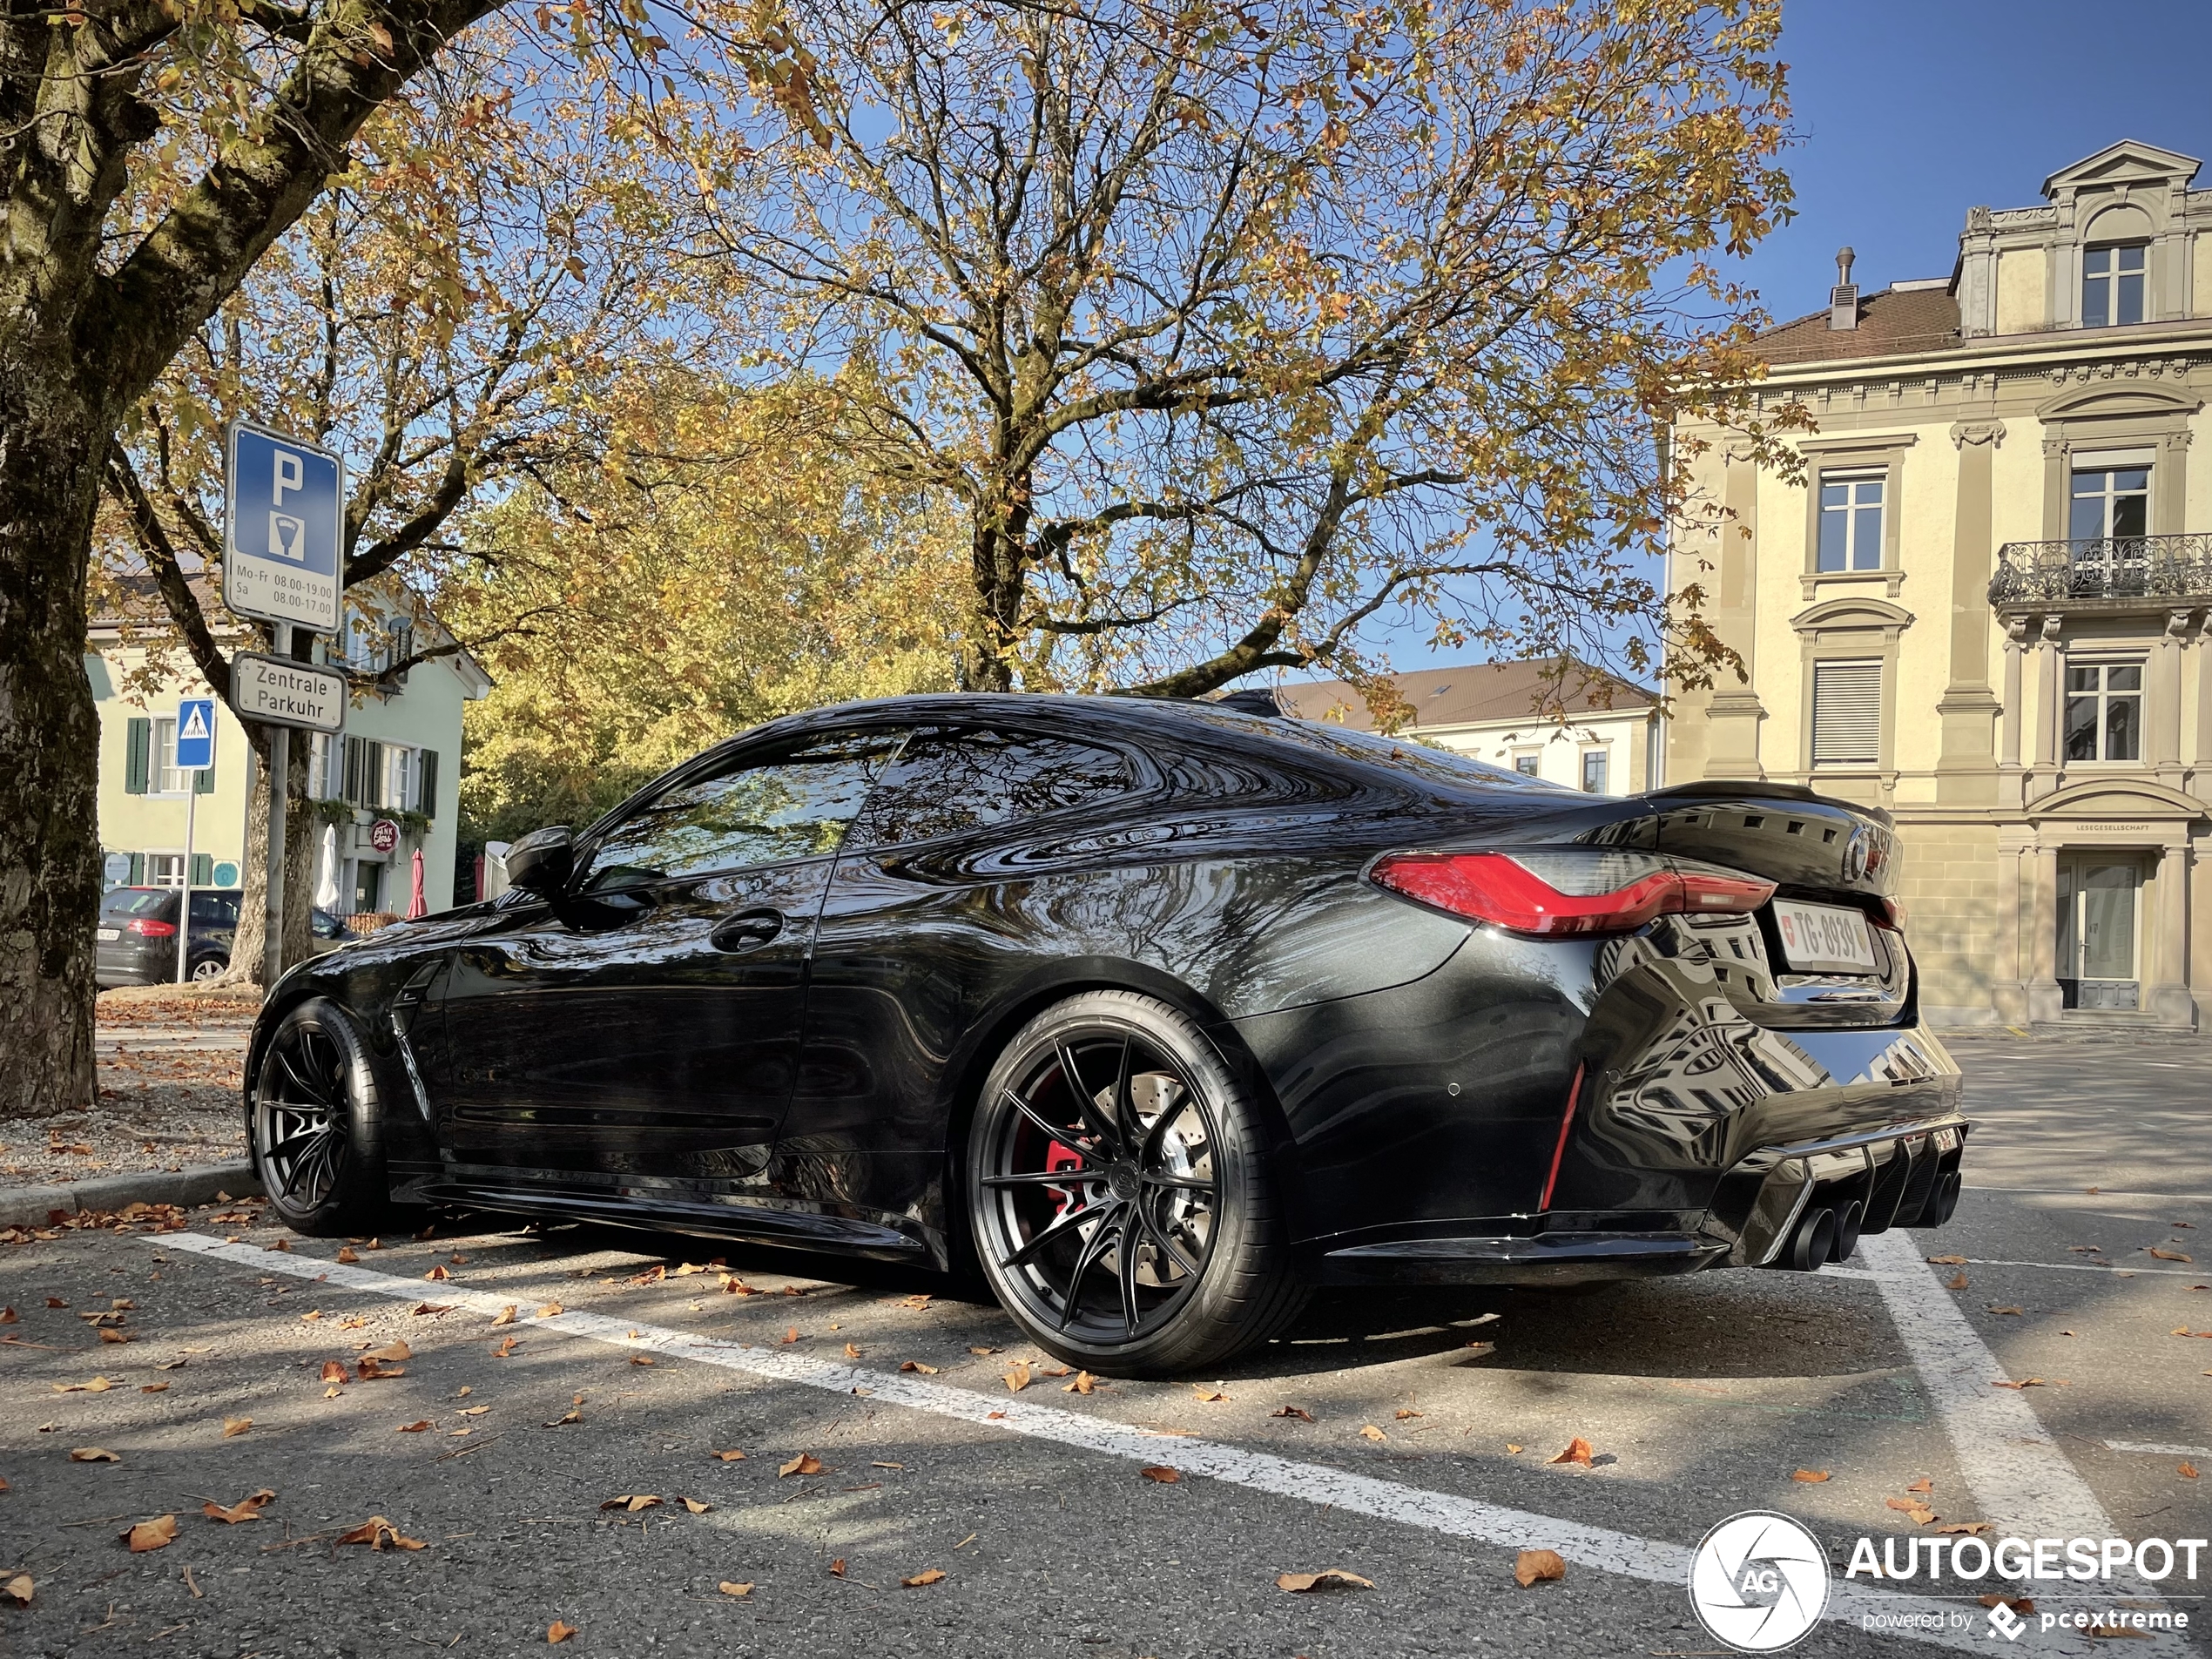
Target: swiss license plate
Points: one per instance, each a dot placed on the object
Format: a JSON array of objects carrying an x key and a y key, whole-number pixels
[
  {"x": 110, "y": 933},
  {"x": 1824, "y": 939}
]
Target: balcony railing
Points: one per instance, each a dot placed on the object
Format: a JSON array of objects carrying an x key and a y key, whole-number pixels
[{"x": 2126, "y": 567}]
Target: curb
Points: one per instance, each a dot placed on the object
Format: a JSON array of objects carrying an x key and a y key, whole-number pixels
[{"x": 31, "y": 1206}]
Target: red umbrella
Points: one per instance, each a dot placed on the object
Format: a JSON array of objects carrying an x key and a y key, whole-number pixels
[{"x": 416, "y": 905}]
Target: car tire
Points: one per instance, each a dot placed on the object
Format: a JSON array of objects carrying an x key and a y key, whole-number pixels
[
  {"x": 1185, "y": 1259},
  {"x": 316, "y": 1123},
  {"x": 204, "y": 969}
]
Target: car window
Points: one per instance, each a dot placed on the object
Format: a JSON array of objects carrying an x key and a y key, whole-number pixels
[
  {"x": 136, "y": 901},
  {"x": 945, "y": 782},
  {"x": 219, "y": 909},
  {"x": 795, "y": 805},
  {"x": 1437, "y": 765}
]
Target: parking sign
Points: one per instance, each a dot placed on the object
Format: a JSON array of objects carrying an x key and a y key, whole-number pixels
[
  {"x": 195, "y": 733},
  {"x": 284, "y": 529}
]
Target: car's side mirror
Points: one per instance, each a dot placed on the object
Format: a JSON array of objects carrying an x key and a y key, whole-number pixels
[{"x": 541, "y": 861}]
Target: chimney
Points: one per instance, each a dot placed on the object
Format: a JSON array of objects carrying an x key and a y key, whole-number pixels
[{"x": 1843, "y": 299}]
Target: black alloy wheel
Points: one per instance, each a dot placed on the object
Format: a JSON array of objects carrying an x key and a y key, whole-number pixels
[
  {"x": 1119, "y": 1203},
  {"x": 316, "y": 1123}
]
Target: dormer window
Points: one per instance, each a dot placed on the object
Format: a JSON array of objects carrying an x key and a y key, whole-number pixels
[{"x": 2112, "y": 284}]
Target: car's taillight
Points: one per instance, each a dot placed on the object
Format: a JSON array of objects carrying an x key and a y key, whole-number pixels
[
  {"x": 1550, "y": 894},
  {"x": 146, "y": 927}
]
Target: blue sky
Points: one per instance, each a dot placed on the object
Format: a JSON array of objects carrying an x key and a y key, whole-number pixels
[{"x": 1910, "y": 111}]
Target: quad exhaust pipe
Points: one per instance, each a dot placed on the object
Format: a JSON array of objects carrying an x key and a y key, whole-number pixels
[{"x": 1828, "y": 1233}]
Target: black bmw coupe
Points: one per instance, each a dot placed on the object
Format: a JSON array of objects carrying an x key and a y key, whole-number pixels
[{"x": 1155, "y": 1014}]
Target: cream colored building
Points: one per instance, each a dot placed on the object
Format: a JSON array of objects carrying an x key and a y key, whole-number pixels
[
  {"x": 398, "y": 760},
  {"x": 1988, "y": 606},
  {"x": 1603, "y": 738}
]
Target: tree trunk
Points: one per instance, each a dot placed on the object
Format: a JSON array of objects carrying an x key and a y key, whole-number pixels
[
  {"x": 52, "y": 440},
  {"x": 301, "y": 830}
]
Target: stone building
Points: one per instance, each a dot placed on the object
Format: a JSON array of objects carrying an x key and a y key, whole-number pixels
[{"x": 1987, "y": 605}]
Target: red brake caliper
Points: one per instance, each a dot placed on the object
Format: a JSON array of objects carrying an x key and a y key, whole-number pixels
[{"x": 1056, "y": 1158}]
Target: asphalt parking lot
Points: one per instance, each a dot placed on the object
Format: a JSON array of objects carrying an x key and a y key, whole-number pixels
[{"x": 898, "y": 1493}]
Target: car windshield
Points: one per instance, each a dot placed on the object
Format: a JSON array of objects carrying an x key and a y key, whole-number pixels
[{"x": 136, "y": 901}]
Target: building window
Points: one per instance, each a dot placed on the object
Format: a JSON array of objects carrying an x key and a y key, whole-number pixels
[
  {"x": 2110, "y": 502},
  {"x": 2112, "y": 285},
  {"x": 2104, "y": 711},
  {"x": 1594, "y": 771},
  {"x": 167, "y": 780},
  {"x": 1847, "y": 713},
  {"x": 1525, "y": 765},
  {"x": 165, "y": 869},
  {"x": 1850, "y": 520}
]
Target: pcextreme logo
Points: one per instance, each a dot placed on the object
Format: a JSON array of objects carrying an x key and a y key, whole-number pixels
[{"x": 1759, "y": 1582}]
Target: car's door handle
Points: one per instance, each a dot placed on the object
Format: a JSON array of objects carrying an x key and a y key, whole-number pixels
[{"x": 748, "y": 930}]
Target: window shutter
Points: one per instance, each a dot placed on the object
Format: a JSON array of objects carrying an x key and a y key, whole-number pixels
[
  {"x": 138, "y": 876},
  {"x": 356, "y": 786},
  {"x": 137, "y": 745},
  {"x": 427, "y": 791},
  {"x": 1846, "y": 713},
  {"x": 204, "y": 782},
  {"x": 203, "y": 869}
]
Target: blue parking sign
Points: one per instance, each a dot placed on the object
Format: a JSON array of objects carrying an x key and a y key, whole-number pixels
[
  {"x": 195, "y": 733},
  {"x": 283, "y": 525}
]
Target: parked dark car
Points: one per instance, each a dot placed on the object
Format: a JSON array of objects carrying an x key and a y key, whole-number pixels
[
  {"x": 136, "y": 941},
  {"x": 1154, "y": 1014}
]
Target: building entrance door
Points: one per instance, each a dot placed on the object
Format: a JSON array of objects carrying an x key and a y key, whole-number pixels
[{"x": 2100, "y": 932}]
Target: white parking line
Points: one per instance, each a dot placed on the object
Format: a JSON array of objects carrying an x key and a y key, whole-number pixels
[
  {"x": 2156, "y": 1450},
  {"x": 1593, "y": 1547}
]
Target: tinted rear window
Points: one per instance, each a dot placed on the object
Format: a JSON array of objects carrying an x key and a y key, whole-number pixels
[
  {"x": 138, "y": 901},
  {"x": 945, "y": 783},
  {"x": 220, "y": 908}
]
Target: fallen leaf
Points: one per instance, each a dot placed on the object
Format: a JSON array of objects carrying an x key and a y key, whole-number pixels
[
  {"x": 505, "y": 1316},
  {"x": 1017, "y": 1377},
  {"x": 2187, "y": 1471},
  {"x": 1810, "y": 1477},
  {"x": 2025, "y": 1382},
  {"x": 7, "y": 1316},
  {"x": 333, "y": 1371},
  {"x": 837, "y": 1568},
  {"x": 1083, "y": 1383},
  {"x": 928, "y": 1575},
  {"x": 915, "y": 1302},
  {"x": 1957, "y": 1282},
  {"x": 55, "y": 1302},
  {"x": 731, "y": 1456},
  {"x": 311, "y": 1316},
  {"x": 880, "y": 1464},
  {"x": 370, "y": 1370},
  {"x": 916, "y": 1365},
  {"x": 650, "y": 1276},
  {"x": 417, "y": 1426},
  {"x": 157, "y": 1533},
  {"x": 566, "y": 1418},
  {"x": 1578, "y": 1451},
  {"x": 983, "y": 1351},
  {"x": 234, "y": 1426},
  {"x": 688, "y": 1269},
  {"x": 1161, "y": 1473},
  {"x": 804, "y": 1463},
  {"x": 549, "y": 1310},
  {"x": 558, "y": 1631},
  {"x": 631, "y": 1502},
  {"x": 1329, "y": 1578},
  {"x": 429, "y": 1309},
  {"x": 347, "y": 1255},
  {"x": 1209, "y": 1395},
  {"x": 2168, "y": 1255},
  {"x": 1298, "y": 1411},
  {"x": 1960, "y": 1261},
  {"x": 17, "y": 1589},
  {"x": 1053, "y": 1371},
  {"x": 378, "y": 1533},
  {"x": 1403, "y": 1415},
  {"x": 852, "y": 1352},
  {"x": 2020, "y": 1604},
  {"x": 1919, "y": 1512},
  {"x": 1924, "y": 1484},
  {"x": 1371, "y": 1432},
  {"x": 728, "y": 1588},
  {"x": 94, "y": 1454},
  {"x": 473, "y": 1411},
  {"x": 281, "y": 1244},
  {"x": 1531, "y": 1565},
  {"x": 641, "y": 1359},
  {"x": 694, "y": 1505},
  {"x": 439, "y": 1271},
  {"x": 2109, "y": 1631},
  {"x": 789, "y": 1336},
  {"x": 153, "y": 1388},
  {"x": 107, "y": 1335},
  {"x": 1998, "y": 1310},
  {"x": 1967, "y": 1528},
  {"x": 1512, "y": 1449},
  {"x": 97, "y": 1386},
  {"x": 247, "y": 1508},
  {"x": 392, "y": 1351}
]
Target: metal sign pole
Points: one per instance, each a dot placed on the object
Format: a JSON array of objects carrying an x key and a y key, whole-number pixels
[
  {"x": 183, "y": 904},
  {"x": 280, "y": 789}
]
